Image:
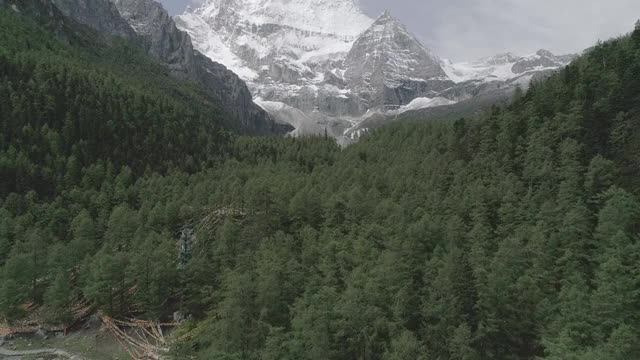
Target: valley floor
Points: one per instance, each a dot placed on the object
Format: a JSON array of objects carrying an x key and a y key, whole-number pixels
[{"x": 82, "y": 345}]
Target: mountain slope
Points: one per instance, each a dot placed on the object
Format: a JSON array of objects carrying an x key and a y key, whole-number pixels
[
  {"x": 509, "y": 235},
  {"x": 154, "y": 30},
  {"x": 278, "y": 41},
  {"x": 504, "y": 67},
  {"x": 287, "y": 51},
  {"x": 81, "y": 96},
  {"x": 173, "y": 48},
  {"x": 100, "y": 15},
  {"x": 389, "y": 67},
  {"x": 329, "y": 61},
  {"x": 489, "y": 238}
]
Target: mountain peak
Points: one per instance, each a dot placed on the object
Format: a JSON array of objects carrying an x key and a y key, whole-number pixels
[
  {"x": 100, "y": 15},
  {"x": 330, "y": 61},
  {"x": 388, "y": 56},
  {"x": 498, "y": 59},
  {"x": 386, "y": 17},
  {"x": 340, "y": 17},
  {"x": 544, "y": 53}
]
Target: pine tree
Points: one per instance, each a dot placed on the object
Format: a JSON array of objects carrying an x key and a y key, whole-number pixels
[
  {"x": 84, "y": 236},
  {"x": 236, "y": 317},
  {"x": 106, "y": 282},
  {"x": 636, "y": 33},
  {"x": 406, "y": 346},
  {"x": 121, "y": 227},
  {"x": 153, "y": 270},
  {"x": 278, "y": 282},
  {"x": 5, "y": 235},
  {"x": 616, "y": 294},
  {"x": 314, "y": 326},
  {"x": 461, "y": 345},
  {"x": 573, "y": 330},
  {"x": 58, "y": 299},
  {"x": 11, "y": 297}
]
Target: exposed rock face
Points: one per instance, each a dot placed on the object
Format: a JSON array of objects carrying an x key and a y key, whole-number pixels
[
  {"x": 313, "y": 123},
  {"x": 287, "y": 51},
  {"x": 332, "y": 79},
  {"x": 253, "y": 36},
  {"x": 543, "y": 59},
  {"x": 173, "y": 47},
  {"x": 163, "y": 40},
  {"x": 504, "y": 68},
  {"x": 100, "y": 15},
  {"x": 388, "y": 67}
]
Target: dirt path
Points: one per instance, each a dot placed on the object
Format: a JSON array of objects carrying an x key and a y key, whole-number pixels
[{"x": 16, "y": 353}]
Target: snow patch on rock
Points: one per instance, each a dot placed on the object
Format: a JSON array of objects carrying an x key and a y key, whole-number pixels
[
  {"x": 504, "y": 67},
  {"x": 425, "y": 102},
  {"x": 323, "y": 66}
]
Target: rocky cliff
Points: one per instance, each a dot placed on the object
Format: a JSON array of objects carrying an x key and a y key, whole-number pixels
[
  {"x": 100, "y": 15},
  {"x": 174, "y": 48},
  {"x": 388, "y": 67}
]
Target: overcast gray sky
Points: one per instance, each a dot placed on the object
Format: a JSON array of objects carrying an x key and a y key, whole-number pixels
[{"x": 468, "y": 29}]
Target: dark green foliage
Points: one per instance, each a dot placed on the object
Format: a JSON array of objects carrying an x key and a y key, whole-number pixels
[
  {"x": 512, "y": 236},
  {"x": 58, "y": 298},
  {"x": 65, "y": 106}
]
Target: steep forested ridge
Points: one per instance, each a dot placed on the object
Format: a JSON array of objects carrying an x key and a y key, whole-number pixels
[
  {"x": 511, "y": 236},
  {"x": 70, "y": 97}
]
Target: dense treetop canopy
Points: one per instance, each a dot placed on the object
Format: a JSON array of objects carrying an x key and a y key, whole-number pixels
[{"x": 509, "y": 236}]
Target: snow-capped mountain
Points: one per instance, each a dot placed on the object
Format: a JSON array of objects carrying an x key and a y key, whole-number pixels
[
  {"x": 286, "y": 51},
  {"x": 282, "y": 41},
  {"x": 388, "y": 67},
  {"x": 330, "y": 67},
  {"x": 504, "y": 67}
]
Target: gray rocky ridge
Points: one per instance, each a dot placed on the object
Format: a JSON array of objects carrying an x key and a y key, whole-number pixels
[
  {"x": 540, "y": 60},
  {"x": 388, "y": 67},
  {"x": 173, "y": 47},
  {"x": 100, "y": 15}
]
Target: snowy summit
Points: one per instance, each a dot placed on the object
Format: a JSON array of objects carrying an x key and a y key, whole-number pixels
[{"x": 325, "y": 62}]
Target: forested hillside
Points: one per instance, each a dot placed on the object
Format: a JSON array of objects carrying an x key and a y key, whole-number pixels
[
  {"x": 66, "y": 104},
  {"x": 511, "y": 236}
]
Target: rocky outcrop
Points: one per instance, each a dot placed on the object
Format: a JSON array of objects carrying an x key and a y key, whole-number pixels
[
  {"x": 333, "y": 79},
  {"x": 388, "y": 67},
  {"x": 65, "y": 28},
  {"x": 543, "y": 59},
  {"x": 173, "y": 47},
  {"x": 100, "y": 15},
  {"x": 163, "y": 40},
  {"x": 289, "y": 53}
]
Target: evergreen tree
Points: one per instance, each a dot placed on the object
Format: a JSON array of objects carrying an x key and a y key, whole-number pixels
[
  {"x": 58, "y": 299},
  {"x": 405, "y": 347}
]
